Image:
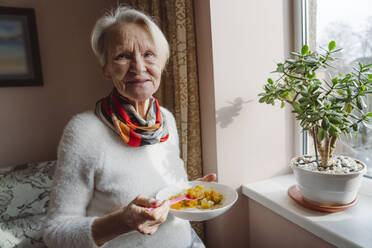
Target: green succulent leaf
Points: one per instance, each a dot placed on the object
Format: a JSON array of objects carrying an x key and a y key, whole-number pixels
[
  {"x": 282, "y": 104},
  {"x": 296, "y": 54},
  {"x": 305, "y": 50},
  {"x": 297, "y": 107},
  {"x": 348, "y": 108},
  {"x": 262, "y": 99},
  {"x": 334, "y": 131},
  {"x": 355, "y": 127},
  {"x": 325, "y": 123},
  {"x": 359, "y": 103},
  {"x": 285, "y": 95},
  {"x": 348, "y": 90},
  {"x": 270, "y": 81},
  {"x": 280, "y": 67},
  {"x": 268, "y": 87},
  {"x": 311, "y": 76},
  {"x": 335, "y": 80},
  {"x": 331, "y": 45},
  {"x": 335, "y": 120},
  {"x": 321, "y": 134}
]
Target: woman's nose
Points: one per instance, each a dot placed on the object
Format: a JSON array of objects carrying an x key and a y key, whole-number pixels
[{"x": 138, "y": 64}]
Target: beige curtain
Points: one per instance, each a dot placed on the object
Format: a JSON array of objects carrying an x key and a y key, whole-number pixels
[{"x": 179, "y": 90}]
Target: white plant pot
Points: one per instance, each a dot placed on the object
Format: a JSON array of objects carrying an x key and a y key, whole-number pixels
[{"x": 328, "y": 189}]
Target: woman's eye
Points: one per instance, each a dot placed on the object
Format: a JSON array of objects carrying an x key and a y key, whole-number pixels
[
  {"x": 122, "y": 56},
  {"x": 148, "y": 54}
]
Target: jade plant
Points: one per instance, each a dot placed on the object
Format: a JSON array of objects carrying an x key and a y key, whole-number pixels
[{"x": 325, "y": 108}]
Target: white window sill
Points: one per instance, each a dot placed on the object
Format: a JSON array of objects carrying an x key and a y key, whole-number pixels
[{"x": 349, "y": 228}]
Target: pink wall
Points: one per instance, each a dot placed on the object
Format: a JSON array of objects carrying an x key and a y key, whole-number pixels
[
  {"x": 32, "y": 118},
  {"x": 267, "y": 229},
  {"x": 243, "y": 141}
]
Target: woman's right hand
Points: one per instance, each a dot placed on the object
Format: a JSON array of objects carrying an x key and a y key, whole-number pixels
[{"x": 137, "y": 216}]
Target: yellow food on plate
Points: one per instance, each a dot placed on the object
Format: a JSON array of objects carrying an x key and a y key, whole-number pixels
[{"x": 209, "y": 199}]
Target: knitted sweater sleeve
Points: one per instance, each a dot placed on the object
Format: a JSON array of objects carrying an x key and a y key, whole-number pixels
[{"x": 67, "y": 224}]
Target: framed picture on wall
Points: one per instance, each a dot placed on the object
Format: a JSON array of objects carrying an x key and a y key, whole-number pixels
[{"x": 19, "y": 49}]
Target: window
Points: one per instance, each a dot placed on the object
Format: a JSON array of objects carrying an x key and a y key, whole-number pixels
[{"x": 349, "y": 23}]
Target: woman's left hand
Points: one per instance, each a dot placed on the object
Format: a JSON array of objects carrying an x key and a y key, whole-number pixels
[{"x": 208, "y": 178}]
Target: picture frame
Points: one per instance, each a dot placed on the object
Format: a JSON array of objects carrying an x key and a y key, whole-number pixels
[{"x": 20, "y": 63}]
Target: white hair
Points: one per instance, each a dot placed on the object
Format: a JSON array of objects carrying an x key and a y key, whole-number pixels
[{"x": 123, "y": 15}]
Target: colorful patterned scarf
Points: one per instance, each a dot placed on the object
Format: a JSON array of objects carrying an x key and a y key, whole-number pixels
[{"x": 121, "y": 116}]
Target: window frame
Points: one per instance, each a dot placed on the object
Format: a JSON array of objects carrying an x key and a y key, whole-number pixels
[{"x": 301, "y": 37}]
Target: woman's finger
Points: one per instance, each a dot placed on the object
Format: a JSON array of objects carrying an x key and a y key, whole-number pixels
[
  {"x": 146, "y": 202},
  {"x": 148, "y": 228},
  {"x": 208, "y": 178},
  {"x": 161, "y": 211}
]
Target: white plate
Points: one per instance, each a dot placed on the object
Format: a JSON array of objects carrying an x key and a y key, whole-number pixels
[{"x": 195, "y": 214}]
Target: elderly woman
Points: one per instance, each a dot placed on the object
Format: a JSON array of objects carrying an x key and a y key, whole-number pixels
[{"x": 111, "y": 162}]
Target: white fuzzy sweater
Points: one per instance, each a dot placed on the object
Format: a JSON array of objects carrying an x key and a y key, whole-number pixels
[{"x": 97, "y": 173}]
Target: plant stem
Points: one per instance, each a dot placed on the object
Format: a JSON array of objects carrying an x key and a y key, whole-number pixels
[
  {"x": 292, "y": 76},
  {"x": 315, "y": 146},
  {"x": 327, "y": 151},
  {"x": 332, "y": 146}
]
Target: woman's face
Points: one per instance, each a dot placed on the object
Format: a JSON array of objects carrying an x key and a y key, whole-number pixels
[{"x": 132, "y": 63}]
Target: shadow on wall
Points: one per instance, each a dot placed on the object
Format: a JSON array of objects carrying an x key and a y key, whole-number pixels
[{"x": 225, "y": 115}]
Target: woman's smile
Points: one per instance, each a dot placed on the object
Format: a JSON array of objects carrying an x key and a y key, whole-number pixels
[{"x": 138, "y": 82}]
